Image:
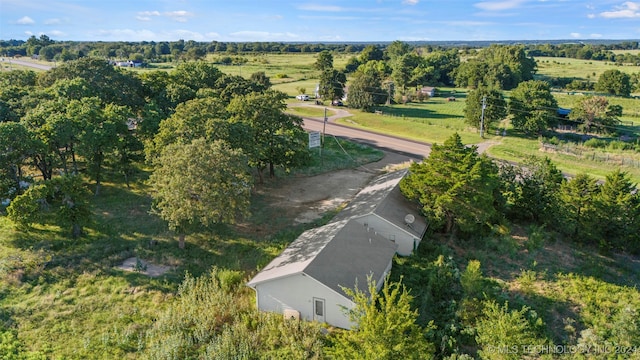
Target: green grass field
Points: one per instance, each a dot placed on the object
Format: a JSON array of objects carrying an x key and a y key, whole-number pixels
[{"x": 577, "y": 68}]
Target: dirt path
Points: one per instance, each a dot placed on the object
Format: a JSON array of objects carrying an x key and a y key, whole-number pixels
[{"x": 308, "y": 198}]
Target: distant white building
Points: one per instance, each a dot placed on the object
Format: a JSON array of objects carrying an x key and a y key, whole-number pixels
[{"x": 306, "y": 281}]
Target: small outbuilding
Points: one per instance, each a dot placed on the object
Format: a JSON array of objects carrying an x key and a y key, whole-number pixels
[
  {"x": 306, "y": 281},
  {"x": 382, "y": 207}
]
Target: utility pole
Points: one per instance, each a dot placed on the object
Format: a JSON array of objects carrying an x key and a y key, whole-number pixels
[
  {"x": 484, "y": 106},
  {"x": 389, "y": 94},
  {"x": 324, "y": 126}
]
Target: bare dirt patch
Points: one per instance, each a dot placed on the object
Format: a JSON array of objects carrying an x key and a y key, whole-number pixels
[
  {"x": 136, "y": 264},
  {"x": 305, "y": 199}
]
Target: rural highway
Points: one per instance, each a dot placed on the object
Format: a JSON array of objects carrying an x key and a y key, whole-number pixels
[
  {"x": 413, "y": 149},
  {"x": 26, "y": 63}
]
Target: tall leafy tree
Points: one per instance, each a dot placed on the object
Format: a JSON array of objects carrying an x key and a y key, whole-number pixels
[
  {"x": 203, "y": 117},
  {"x": 578, "y": 197},
  {"x": 538, "y": 191},
  {"x": 472, "y": 74},
  {"x": 200, "y": 183},
  {"x": 101, "y": 129},
  {"x": 614, "y": 82},
  {"x": 385, "y": 326},
  {"x": 532, "y": 107},
  {"x": 63, "y": 200},
  {"x": 455, "y": 187},
  {"x": 510, "y": 63},
  {"x": 365, "y": 91},
  {"x": 110, "y": 84},
  {"x": 332, "y": 84},
  {"x": 495, "y": 108},
  {"x": 596, "y": 112},
  {"x": 324, "y": 61},
  {"x": 370, "y": 52},
  {"x": 15, "y": 149},
  {"x": 274, "y": 138},
  {"x": 618, "y": 213}
]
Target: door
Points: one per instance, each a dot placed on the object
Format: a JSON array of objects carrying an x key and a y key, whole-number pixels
[{"x": 318, "y": 309}]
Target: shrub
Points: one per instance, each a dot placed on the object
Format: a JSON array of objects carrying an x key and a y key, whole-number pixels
[{"x": 595, "y": 143}]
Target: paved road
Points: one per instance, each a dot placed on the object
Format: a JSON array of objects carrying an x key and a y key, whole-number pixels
[
  {"x": 413, "y": 149},
  {"x": 26, "y": 63}
]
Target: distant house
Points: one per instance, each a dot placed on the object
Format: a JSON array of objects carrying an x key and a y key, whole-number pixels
[
  {"x": 428, "y": 90},
  {"x": 129, "y": 63},
  {"x": 306, "y": 280}
]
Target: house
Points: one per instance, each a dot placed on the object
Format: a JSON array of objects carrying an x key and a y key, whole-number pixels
[
  {"x": 306, "y": 281},
  {"x": 428, "y": 90},
  {"x": 382, "y": 207}
]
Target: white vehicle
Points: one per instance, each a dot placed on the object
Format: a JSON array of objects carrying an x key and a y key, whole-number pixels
[{"x": 302, "y": 97}]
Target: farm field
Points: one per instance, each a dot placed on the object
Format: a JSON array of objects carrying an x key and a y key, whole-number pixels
[{"x": 578, "y": 68}]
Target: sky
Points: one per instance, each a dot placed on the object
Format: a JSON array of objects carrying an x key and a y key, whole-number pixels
[{"x": 319, "y": 21}]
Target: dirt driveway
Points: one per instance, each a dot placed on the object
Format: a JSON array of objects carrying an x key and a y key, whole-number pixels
[{"x": 308, "y": 198}]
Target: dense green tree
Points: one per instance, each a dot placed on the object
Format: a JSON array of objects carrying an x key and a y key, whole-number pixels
[
  {"x": 200, "y": 183},
  {"x": 396, "y": 50},
  {"x": 101, "y": 129},
  {"x": 472, "y": 74},
  {"x": 403, "y": 70},
  {"x": 385, "y": 326},
  {"x": 274, "y": 138},
  {"x": 596, "y": 112},
  {"x": 614, "y": 82},
  {"x": 444, "y": 64},
  {"x": 110, "y": 84},
  {"x": 532, "y": 107},
  {"x": 618, "y": 213},
  {"x": 365, "y": 91},
  {"x": 261, "y": 79},
  {"x": 369, "y": 53},
  {"x": 193, "y": 119},
  {"x": 537, "y": 191},
  {"x": 510, "y": 63},
  {"x": 495, "y": 108},
  {"x": 196, "y": 75},
  {"x": 455, "y": 187},
  {"x": 324, "y": 61},
  {"x": 15, "y": 149},
  {"x": 63, "y": 200},
  {"x": 352, "y": 65},
  {"x": 578, "y": 197},
  {"x": 332, "y": 84}
]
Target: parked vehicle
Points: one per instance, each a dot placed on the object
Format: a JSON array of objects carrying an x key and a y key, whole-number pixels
[
  {"x": 337, "y": 103},
  {"x": 302, "y": 97}
]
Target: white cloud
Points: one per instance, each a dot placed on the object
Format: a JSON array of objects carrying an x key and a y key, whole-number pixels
[
  {"x": 499, "y": 5},
  {"x": 326, "y": 8},
  {"x": 25, "y": 20},
  {"x": 410, "y": 2},
  {"x": 179, "y": 16},
  {"x": 575, "y": 35},
  {"x": 262, "y": 35},
  {"x": 591, "y": 16},
  {"x": 53, "y": 22},
  {"x": 595, "y": 36},
  {"x": 149, "y": 13},
  {"x": 56, "y": 33},
  {"x": 628, "y": 9}
]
